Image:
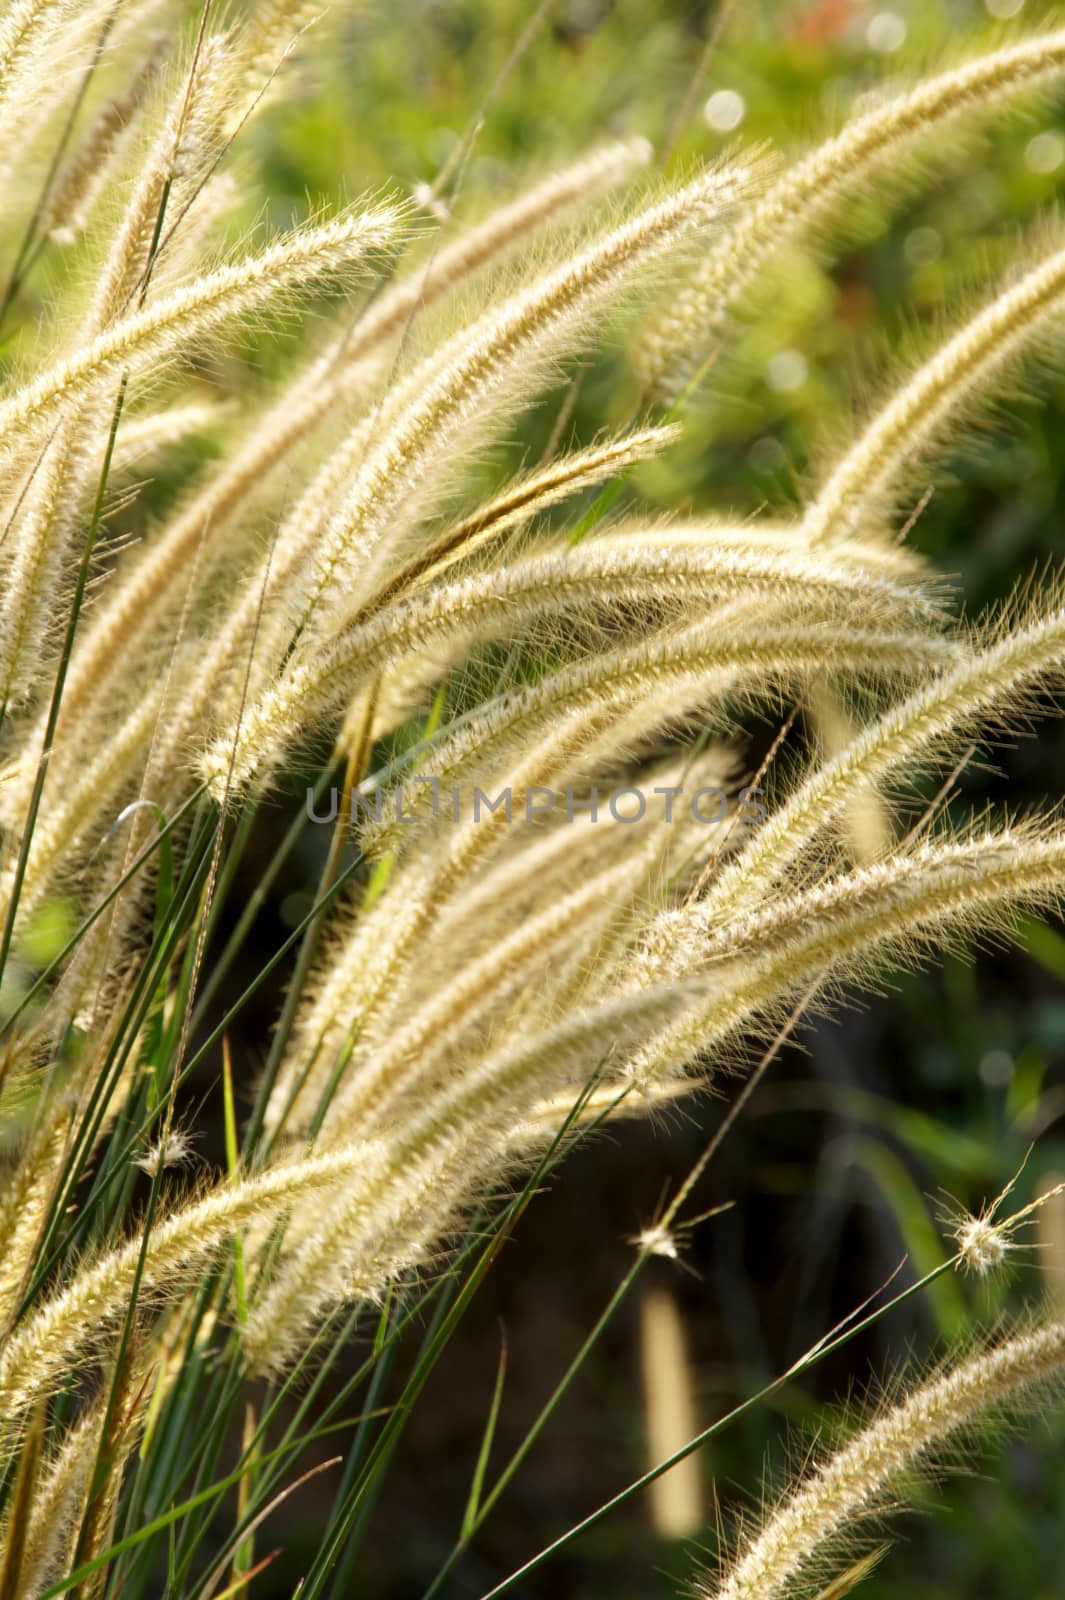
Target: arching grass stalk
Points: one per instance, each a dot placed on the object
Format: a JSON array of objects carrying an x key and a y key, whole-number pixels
[{"x": 458, "y": 1017}]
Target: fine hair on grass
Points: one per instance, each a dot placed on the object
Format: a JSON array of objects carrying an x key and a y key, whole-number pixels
[{"x": 353, "y": 539}]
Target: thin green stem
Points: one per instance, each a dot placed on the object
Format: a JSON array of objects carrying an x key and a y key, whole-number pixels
[{"x": 811, "y": 1357}]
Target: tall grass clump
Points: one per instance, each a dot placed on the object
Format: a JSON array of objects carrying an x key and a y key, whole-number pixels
[{"x": 256, "y": 552}]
